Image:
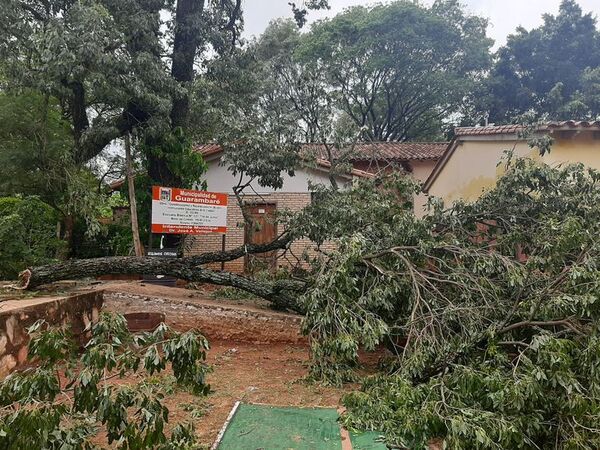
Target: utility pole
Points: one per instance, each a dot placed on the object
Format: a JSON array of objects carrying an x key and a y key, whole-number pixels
[{"x": 137, "y": 244}]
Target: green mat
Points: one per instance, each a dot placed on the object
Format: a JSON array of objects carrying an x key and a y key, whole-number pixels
[
  {"x": 367, "y": 441},
  {"x": 263, "y": 427},
  {"x": 274, "y": 428}
]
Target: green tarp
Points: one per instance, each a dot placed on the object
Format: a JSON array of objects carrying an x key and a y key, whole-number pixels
[
  {"x": 367, "y": 441},
  {"x": 274, "y": 428},
  {"x": 263, "y": 427}
]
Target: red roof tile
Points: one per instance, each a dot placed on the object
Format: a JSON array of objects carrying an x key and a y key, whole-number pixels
[
  {"x": 208, "y": 149},
  {"x": 487, "y": 130},
  {"x": 398, "y": 151},
  {"x": 512, "y": 129},
  {"x": 391, "y": 151},
  {"x": 573, "y": 124}
]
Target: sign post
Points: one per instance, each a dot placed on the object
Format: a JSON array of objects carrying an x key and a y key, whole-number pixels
[{"x": 185, "y": 211}]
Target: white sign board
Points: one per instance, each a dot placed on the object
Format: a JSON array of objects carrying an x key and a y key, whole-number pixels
[{"x": 184, "y": 211}]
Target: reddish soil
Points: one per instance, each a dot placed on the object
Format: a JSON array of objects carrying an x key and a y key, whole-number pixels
[
  {"x": 257, "y": 355},
  {"x": 270, "y": 374},
  {"x": 248, "y": 321}
]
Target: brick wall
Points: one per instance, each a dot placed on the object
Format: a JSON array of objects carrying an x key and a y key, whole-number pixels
[
  {"x": 236, "y": 233},
  {"x": 75, "y": 312}
]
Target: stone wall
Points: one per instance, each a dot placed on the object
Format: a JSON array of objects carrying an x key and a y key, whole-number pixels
[
  {"x": 216, "y": 321},
  {"x": 75, "y": 311}
]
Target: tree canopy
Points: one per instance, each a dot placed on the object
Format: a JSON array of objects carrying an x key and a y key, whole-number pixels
[
  {"x": 552, "y": 69},
  {"x": 400, "y": 70}
]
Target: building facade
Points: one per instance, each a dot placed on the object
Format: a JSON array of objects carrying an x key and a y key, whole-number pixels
[
  {"x": 264, "y": 204},
  {"x": 470, "y": 165}
]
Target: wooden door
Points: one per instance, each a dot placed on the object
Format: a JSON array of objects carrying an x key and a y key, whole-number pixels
[{"x": 262, "y": 231}]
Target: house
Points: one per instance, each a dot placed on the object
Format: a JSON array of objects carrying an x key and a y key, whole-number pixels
[
  {"x": 469, "y": 166},
  {"x": 415, "y": 159}
]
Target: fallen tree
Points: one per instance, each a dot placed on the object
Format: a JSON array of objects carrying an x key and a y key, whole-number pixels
[
  {"x": 282, "y": 293},
  {"x": 337, "y": 214},
  {"x": 492, "y": 312}
]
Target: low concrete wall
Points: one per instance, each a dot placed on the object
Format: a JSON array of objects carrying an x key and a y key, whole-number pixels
[{"x": 76, "y": 311}]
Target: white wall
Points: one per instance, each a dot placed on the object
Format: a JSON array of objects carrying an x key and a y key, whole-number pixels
[
  {"x": 219, "y": 179},
  {"x": 420, "y": 172}
]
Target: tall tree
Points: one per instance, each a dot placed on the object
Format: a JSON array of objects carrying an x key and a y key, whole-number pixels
[
  {"x": 400, "y": 69},
  {"x": 112, "y": 66},
  {"x": 36, "y": 159},
  {"x": 549, "y": 69},
  {"x": 120, "y": 67}
]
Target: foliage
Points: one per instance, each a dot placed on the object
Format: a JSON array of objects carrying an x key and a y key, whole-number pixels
[
  {"x": 374, "y": 59},
  {"x": 36, "y": 156},
  {"x": 34, "y": 147},
  {"x": 119, "y": 67},
  {"x": 267, "y": 276},
  {"x": 550, "y": 69},
  {"x": 177, "y": 150},
  {"x": 490, "y": 309},
  {"x": 113, "y": 239},
  {"x": 249, "y": 117},
  {"x": 60, "y": 402},
  {"x": 27, "y": 234},
  {"x": 114, "y": 200}
]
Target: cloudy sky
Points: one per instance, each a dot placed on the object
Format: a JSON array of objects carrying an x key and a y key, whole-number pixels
[{"x": 504, "y": 15}]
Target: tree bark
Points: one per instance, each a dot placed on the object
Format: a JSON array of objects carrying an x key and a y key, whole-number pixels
[
  {"x": 188, "y": 17},
  {"x": 69, "y": 230},
  {"x": 135, "y": 230},
  {"x": 283, "y": 294}
]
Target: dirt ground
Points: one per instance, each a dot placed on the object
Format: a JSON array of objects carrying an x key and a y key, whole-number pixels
[
  {"x": 243, "y": 320},
  {"x": 269, "y": 374},
  {"x": 257, "y": 355}
]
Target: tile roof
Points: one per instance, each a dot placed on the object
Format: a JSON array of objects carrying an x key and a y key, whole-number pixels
[
  {"x": 398, "y": 151},
  {"x": 512, "y": 129},
  {"x": 573, "y": 124},
  {"x": 487, "y": 130},
  {"x": 355, "y": 172},
  {"x": 208, "y": 149},
  {"x": 491, "y": 130}
]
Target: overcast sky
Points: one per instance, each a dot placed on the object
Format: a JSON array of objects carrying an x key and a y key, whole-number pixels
[{"x": 504, "y": 15}]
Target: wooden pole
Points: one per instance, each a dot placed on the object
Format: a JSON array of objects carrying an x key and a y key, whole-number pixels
[
  {"x": 137, "y": 244},
  {"x": 223, "y": 250}
]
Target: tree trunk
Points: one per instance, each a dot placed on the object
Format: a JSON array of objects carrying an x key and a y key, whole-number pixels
[
  {"x": 188, "y": 16},
  {"x": 135, "y": 230},
  {"x": 69, "y": 229},
  {"x": 283, "y": 293}
]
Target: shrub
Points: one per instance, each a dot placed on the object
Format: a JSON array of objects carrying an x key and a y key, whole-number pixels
[{"x": 27, "y": 234}]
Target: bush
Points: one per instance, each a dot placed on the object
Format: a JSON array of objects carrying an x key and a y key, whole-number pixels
[
  {"x": 27, "y": 234},
  {"x": 113, "y": 239}
]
